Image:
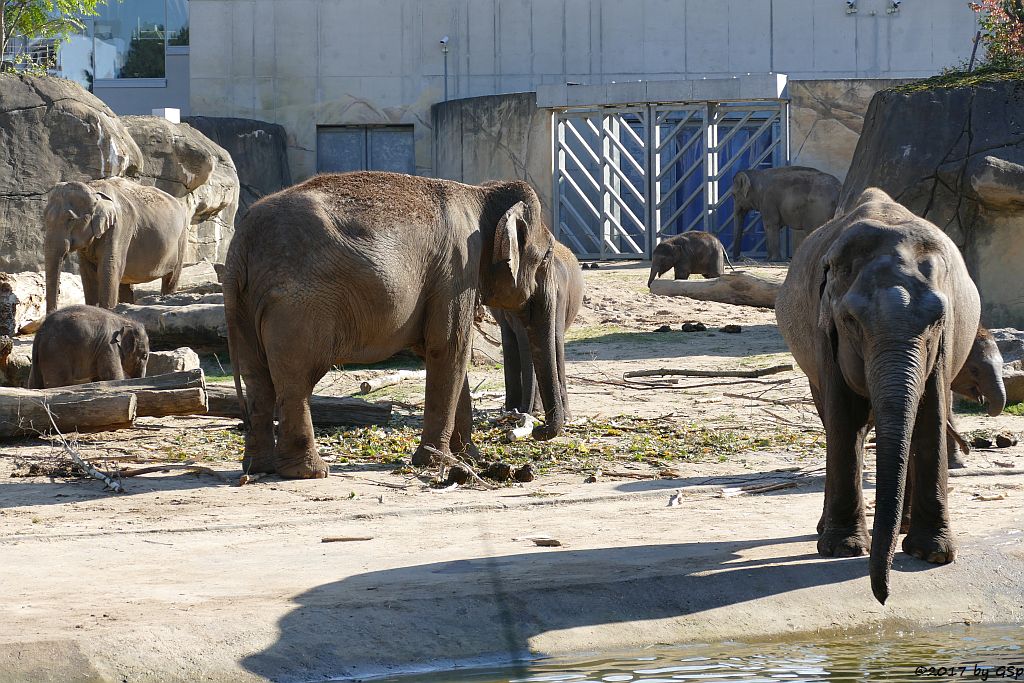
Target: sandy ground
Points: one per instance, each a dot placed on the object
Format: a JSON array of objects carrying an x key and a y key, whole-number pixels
[{"x": 187, "y": 577}]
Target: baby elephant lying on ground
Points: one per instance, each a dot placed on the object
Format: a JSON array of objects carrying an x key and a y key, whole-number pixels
[
  {"x": 692, "y": 252},
  {"x": 521, "y": 390},
  {"x": 81, "y": 344}
]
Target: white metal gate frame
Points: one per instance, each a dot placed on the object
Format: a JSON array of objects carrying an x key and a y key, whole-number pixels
[{"x": 612, "y": 187}]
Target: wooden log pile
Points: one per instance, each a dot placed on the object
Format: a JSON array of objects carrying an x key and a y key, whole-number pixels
[{"x": 327, "y": 411}]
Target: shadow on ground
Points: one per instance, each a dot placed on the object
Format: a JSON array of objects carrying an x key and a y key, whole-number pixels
[
  {"x": 754, "y": 339},
  {"x": 493, "y": 606}
]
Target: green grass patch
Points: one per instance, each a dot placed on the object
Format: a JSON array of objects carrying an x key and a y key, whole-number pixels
[
  {"x": 960, "y": 78},
  {"x": 1015, "y": 409}
]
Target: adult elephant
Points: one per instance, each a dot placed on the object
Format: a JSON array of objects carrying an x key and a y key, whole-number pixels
[
  {"x": 353, "y": 267},
  {"x": 800, "y": 197},
  {"x": 879, "y": 311},
  {"x": 125, "y": 234},
  {"x": 521, "y": 390}
]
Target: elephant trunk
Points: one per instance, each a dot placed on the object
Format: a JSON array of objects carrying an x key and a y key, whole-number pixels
[
  {"x": 542, "y": 333},
  {"x": 56, "y": 249},
  {"x": 739, "y": 215},
  {"x": 654, "y": 272},
  {"x": 895, "y": 386},
  {"x": 993, "y": 390}
]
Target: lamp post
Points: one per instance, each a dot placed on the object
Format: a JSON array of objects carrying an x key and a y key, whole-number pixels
[{"x": 444, "y": 51}]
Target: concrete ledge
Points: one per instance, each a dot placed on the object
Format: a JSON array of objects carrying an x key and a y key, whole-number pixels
[{"x": 767, "y": 86}]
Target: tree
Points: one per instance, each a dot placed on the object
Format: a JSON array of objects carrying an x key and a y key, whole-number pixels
[
  {"x": 1002, "y": 32},
  {"x": 34, "y": 19},
  {"x": 144, "y": 58}
]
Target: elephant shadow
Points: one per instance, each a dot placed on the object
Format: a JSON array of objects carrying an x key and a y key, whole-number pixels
[
  {"x": 754, "y": 340},
  {"x": 489, "y": 608}
]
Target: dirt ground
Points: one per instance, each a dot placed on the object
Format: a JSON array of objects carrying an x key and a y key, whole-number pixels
[{"x": 187, "y": 576}]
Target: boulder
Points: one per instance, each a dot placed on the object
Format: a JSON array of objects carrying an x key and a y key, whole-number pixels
[
  {"x": 51, "y": 130},
  {"x": 23, "y": 298},
  {"x": 1010, "y": 343},
  {"x": 15, "y": 361},
  {"x": 954, "y": 154},
  {"x": 185, "y": 163},
  {"x": 197, "y": 278},
  {"x": 259, "y": 150},
  {"x": 163, "y": 362},
  {"x": 197, "y": 325}
]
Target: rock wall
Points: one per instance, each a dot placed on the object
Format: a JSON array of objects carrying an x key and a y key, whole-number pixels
[
  {"x": 259, "y": 150},
  {"x": 185, "y": 163},
  {"x": 51, "y": 130},
  {"x": 494, "y": 138},
  {"x": 955, "y": 155}
]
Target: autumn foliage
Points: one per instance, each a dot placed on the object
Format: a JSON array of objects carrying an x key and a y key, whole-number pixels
[{"x": 1002, "y": 31}]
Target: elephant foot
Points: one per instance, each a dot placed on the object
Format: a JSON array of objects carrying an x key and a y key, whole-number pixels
[
  {"x": 905, "y": 524},
  {"x": 469, "y": 453},
  {"x": 258, "y": 464},
  {"x": 930, "y": 545},
  {"x": 844, "y": 542},
  {"x": 307, "y": 466},
  {"x": 545, "y": 433},
  {"x": 423, "y": 457},
  {"x": 955, "y": 460}
]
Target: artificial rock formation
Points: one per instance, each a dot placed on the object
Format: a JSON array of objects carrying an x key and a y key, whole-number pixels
[
  {"x": 955, "y": 155},
  {"x": 259, "y": 150},
  {"x": 51, "y": 130},
  {"x": 186, "y": 164}
]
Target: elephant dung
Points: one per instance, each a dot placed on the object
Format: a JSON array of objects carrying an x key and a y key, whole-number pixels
[
  {"x": 23, "y": 298},
  {"x": 163, "y": 362}
]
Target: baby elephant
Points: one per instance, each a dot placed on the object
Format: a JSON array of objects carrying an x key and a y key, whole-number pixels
[
  {"x": 521, "y": 389},
  {"x": 81, "y": 344},
  {"x": 691, "y": 252},
  {"x": 981, "y": 380}
]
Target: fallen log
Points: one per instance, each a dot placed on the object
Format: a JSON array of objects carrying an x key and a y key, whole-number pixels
[
  {"x": 760, "y": 372},
  {"x": 327, "y": 411},
  {"x": 26, "y": 412},
  {"x": 174, "y": 393},
  {"x": 739, "y": 288},
  {"x": 379, "y": 383}
]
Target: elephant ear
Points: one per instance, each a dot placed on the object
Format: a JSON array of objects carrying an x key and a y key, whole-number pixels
[
  {"x": 508, "y": 239},
  {"x": 741, "y": 186},
  {"x": 104, "y": 216}
]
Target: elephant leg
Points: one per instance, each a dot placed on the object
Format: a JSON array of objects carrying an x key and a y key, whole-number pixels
[
  {"x": 447, "y": 354},
  {"x": 108, "y": 363},
  {"x": 169, "y": 282},
  {"x": 846, "y": 418},
  {"x": 529, "y": 392},
  {"x": 90, "y": 282},
  {"x": 297, "y": 359},
  {"x": 260, "y": 399},
  {"x": 560, "y": 357},
  {"x": 798, "y": 237},
  {"x": 462, "y": 435},
  {"x": 125, "y": 294},
  {"x": 772, "y": 229},
  {"x": 681, "y": 272},
  {"x": 930, "y": 537},
  {"x": 511, "y": 362}
]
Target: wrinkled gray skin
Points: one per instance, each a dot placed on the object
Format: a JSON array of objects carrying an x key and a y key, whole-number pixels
[
  {"x": 124, "y": 233},
  {"x": 800, "y": 197},
  {"x": 692, "y": 252},
  {"x": 354, "y": 267},
  {"x": 980, "y": 380},
  {"x": 78, "y": 344},
  {"x": 879, "y": 311},
  {"x": 522, "y": 392}
]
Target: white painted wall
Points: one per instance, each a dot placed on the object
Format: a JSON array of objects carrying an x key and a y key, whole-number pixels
[{"x": 303, "y": 63}]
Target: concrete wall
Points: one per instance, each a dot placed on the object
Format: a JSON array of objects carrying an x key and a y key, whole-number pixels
[
  {"x": 826, "y": 118},
  {"x": 303, "y": 63},
  {"x": 495, "y": 137},
  {"x": 124, "y": 97}
]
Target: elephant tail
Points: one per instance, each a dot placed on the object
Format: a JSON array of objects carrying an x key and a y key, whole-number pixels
[
  {"x": 35, "y": 374},
  {"x": 725, "y": 255},
  {"x": 234, "y": 312}
]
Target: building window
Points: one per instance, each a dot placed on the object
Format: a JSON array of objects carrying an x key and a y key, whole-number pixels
[
  {"x": 125, "y": 40},
  {"x": 365, "y": 148}
]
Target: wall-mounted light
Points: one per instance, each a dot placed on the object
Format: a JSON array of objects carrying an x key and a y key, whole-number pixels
[
  {"x": 444, "y": 51},
  {"x": 894, "y": 6},
  {"x": 851, "y": 6}
]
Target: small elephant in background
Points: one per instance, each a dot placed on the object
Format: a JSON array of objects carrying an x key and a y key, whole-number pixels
[
  {"x": 79, "y": 344},
  {"x": 800, "y": 197},
  {"x": 691, "y": 252},
  {"x": 125, "y": 234},
  {"x": 980, "y": 380},
  {"x": 522, "y": 392}
]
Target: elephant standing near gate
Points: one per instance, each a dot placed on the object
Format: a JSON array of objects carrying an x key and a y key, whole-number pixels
[
  {"x": 124, "y": 233},
  {"x": 880, "y": 312},
  {"x": 354, "y": 267},
  {"x": 800, "y": 197}
]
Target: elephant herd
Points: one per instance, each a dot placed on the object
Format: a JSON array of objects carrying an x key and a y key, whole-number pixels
[{"x": 877, "y": 308}]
